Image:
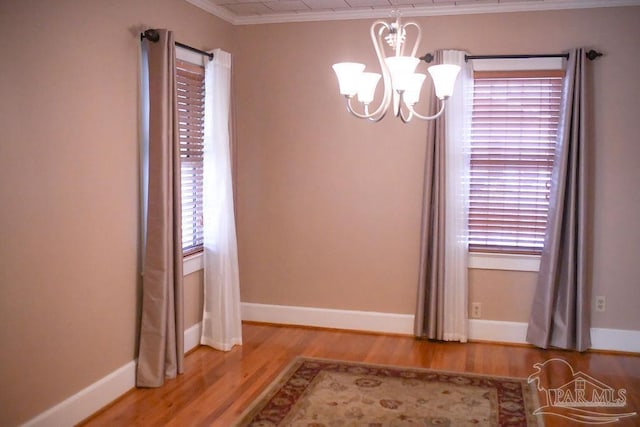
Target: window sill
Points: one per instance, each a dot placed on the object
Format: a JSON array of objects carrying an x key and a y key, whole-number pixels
[
  {"x": 512, "y": 262},
  {"x": 192, "y": 263}
]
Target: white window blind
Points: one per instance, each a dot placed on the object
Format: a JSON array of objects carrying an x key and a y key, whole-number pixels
[
  {"x": 513, "y": 137},
  {"x": 190, "y": 88}
]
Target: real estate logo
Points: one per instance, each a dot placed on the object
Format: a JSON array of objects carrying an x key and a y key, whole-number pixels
[{"x": 583, "y": 398}]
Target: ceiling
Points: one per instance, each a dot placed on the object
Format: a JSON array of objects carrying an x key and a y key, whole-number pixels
[{"x": 272, "y": 11}]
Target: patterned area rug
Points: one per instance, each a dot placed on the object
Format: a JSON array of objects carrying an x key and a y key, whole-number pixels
[{"x": 318, "y": 392}]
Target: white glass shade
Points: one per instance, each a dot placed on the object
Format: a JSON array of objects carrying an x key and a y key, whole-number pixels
[
  {"x": 444, "y": 79},
  {"x": 348, "y": 74},
  {"x": 401, "y": 68},
  {"x": 412, "y": 94},
  {"x": 367, "y": 87}
]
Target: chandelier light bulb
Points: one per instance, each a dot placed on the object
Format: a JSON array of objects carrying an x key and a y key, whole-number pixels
[
  {"x": 348, "y": 74},
  {"x": 444, "y": 79},
  {"x": 401, "y": 68},
  {"x": 412, "y": 94},
  {"x": 367, "y": 88}
]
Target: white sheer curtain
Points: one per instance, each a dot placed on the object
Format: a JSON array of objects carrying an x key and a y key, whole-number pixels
[
  {"x": 221, "y": 321},
  {"x": 442, "y": 288},
  {"x": 458, "y": 126}
]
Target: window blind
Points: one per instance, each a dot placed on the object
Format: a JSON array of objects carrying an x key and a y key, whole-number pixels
[
  {"x": 513, "y": 138},
  {"x": 190, "y": 94}
]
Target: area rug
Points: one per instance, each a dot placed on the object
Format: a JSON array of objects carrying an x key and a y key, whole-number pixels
[{"x": 319, "y": 392}]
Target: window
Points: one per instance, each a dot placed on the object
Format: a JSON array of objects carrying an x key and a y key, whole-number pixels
[
  {"x": 190, "y": 88},
  {"x": 513, "y": 137}
]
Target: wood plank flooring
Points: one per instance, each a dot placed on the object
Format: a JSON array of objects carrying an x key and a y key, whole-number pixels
[{"x": 217, "y": 386}]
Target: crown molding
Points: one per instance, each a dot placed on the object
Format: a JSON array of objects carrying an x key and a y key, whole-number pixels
[{"x": 435, "y": 10}]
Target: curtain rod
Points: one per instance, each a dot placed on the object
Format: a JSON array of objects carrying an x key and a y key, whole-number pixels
[
  {"x": 592, "y": 54},
  {"x": 550, "y": 55},
  {"x": 153, "y": 36}
]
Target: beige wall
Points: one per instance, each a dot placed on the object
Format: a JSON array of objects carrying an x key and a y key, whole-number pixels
[
  {"x": 69, "y": 189},
  {"x": 329, "y": 206},
  {"x": 503, "y": 295}
]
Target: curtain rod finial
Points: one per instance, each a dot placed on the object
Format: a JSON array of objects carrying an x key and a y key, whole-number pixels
[
  {"x": 151, "y": 35},
  {"x": 593, "y": 54},
  {"x": 428, "y": 57}
]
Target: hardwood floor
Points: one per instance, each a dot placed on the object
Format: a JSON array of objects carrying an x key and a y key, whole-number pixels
[{"x": 217, "y": 386}]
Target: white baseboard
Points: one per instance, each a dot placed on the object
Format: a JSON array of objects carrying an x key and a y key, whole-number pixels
[
  {"x": 615, "y": 339},
  {"x": 516, "y": 332},
  {"x": 499, "y": 331},
  {"x": 104, "y": 391},
  {"x": 369, "y": 321},
  {"x": 89, "y": 400},
  {"x": 192, "y": 337},
  {"x": 479, "y": 330}
]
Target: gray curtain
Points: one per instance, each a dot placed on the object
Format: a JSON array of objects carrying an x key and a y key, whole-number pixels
[
  {"x": 560, "y": 315},
  {"x": 429, "y": 319},
  {"x": 161, "y": 346}
]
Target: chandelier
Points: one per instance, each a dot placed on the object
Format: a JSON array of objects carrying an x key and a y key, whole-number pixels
[{"x": 402, "y": 84}]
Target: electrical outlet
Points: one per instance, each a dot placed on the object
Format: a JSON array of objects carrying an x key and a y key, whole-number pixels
[
  {"x": 476, "y": 310},
  {"x": 601, "y": 303}
]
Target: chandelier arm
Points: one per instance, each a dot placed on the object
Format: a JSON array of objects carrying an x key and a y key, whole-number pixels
[
  {"x": 403, "y": 118},
  {"x": 374, "y": 119},
  {"x": 369, "y": 116},
  {"x": 418, "y": 37},
  {"x": 397, "y": 105},
  {"x": 354, "y": 112},
  {"x": 443, "y": 103},
  {"x": 377, "y": 119},
  {"x": 400, "y": 111}
]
